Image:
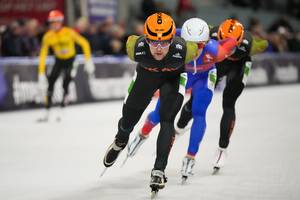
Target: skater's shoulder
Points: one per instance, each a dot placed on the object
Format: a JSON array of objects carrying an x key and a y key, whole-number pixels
[
  {"x": 131, "y": 45},
  {"x": 211, "y": 46}
]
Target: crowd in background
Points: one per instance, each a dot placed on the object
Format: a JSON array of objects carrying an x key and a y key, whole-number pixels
[
  {"x": 289, "y": 7},
  {"x": 23, "y": 37}
]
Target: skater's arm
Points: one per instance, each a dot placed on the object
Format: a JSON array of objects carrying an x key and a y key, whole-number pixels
[
  {"x": 258, "y": 46},
  {"x": 83, "y": 43},
  {"x": 130, "y": 45},
  {"x": 225, "y": 48},
  {"x": 191, "y": 51},
  {"x": 43, "y": 55}
]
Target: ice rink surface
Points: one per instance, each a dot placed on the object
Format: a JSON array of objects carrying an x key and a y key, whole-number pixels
[{"x": 63, "y": 160}]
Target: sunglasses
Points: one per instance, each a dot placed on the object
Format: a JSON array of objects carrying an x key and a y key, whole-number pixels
[{"x": 161, "y": 43}]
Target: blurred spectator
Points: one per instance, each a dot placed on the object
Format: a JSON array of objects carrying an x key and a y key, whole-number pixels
[
  {"x": 94, "y": 39},
  {"x": 12, "y": 42},
  {"x": 118, "y": 39},
  {"x": 278, "y": 42},
  {"x": 184, "y": 11},
  {"x": 281, "y": 22},
  {"x": 42, "y": 29},
  {"x": 293, "y": 8},
  {"x": 240, "y": 3},
  {"x": 148, "y": 7},
  {"x": 255, "y": 4},
  {"x": 82, "y": 26},
  {"x": 256, "y": 28},
  {"x": 104, "y": 36},
  {"x": 2, "y": 31},
  {"x": 30, "y": 39},
  {"x": 138, "y": 28},
  {"x": 283, "y": 36}
]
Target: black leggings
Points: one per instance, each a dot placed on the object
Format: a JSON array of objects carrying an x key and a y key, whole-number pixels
[
  {"x": 139, "y": 97},
  {"x": 233, "y": 89},
  {"x": 64, "y": 66}
]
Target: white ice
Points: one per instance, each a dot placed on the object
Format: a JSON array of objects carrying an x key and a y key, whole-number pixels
[{"x": 63, "y": 161}]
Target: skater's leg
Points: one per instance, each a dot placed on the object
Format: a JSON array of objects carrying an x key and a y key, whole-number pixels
[
  {"x": 51, "y": 82},
  {"x": 140, "y": 94},
  {"x": 202, "y": 96},
  {"x": 232, "y": 91},
  {"x": 152, "y": 120},
  {"x": 171, "y": 101},
  {"x": 136, "y": 102},
  {"x": 67, "y": 80}
]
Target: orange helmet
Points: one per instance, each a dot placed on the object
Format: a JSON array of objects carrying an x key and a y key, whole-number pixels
[
  {"x": 159, "y": 26},
  {"x": 55, "y": 16},
  {"x": 231, "y": 28}
]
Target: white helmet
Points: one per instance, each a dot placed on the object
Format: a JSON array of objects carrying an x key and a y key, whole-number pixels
[{"x": 195, "y": 30}]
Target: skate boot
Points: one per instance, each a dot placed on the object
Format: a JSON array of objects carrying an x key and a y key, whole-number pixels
[
  {"x": 220, "y": 159},
  {"x": 158, "y": 179},
  {"x": 113, "y": 152},
  {"x": 60, "y": 114},
  {"x": 134, "y": 146},
  {"x": 187, "y": 168},
  {"x": 45, "y": 117}
]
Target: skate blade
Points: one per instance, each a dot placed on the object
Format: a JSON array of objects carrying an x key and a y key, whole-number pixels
[
  {"x": 103, "y": 172},
  {"x": 125, "y": 160},
  {"x": 215, "y": 170},
  {"x": 154, "y": 192},
  {"x": 184, "y": 180}
]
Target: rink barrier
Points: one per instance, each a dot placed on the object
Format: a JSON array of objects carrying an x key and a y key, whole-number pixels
[{"x": 19, "y": 87}]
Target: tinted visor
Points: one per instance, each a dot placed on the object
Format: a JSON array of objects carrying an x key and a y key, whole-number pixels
[{"x": 161, "y": 43}]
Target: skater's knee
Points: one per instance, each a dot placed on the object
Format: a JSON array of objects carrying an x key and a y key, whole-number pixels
[
  {"x": 201, "y": 103},
  {"x": 130, "y": 116}
]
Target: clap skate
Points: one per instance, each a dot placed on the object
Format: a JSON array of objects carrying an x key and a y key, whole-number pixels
[
  {"x": 187, "y": 168},
  {"x": 158, "y": 180},
  {"x": 112, "y": 154},
  {"x": 134, "y": 146},
  {"x": 219, "y": 160}
]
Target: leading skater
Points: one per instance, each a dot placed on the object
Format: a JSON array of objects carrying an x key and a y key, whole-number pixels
[
  {"x": 202, "y": 77},
  {"x": 161, "y": 57}
]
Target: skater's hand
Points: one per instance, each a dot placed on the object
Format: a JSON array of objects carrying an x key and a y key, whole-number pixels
[
  {"x": 42, "y": 80},
  {"x": 42, "y": 85},
  {"x": 89, "y": 67}
]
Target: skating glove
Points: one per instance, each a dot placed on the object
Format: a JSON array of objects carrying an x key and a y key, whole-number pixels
[
  {"x": 42, "y": 80},
  {"x": 42, "y": 85},
  {"x": 89, "y": 67}
]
